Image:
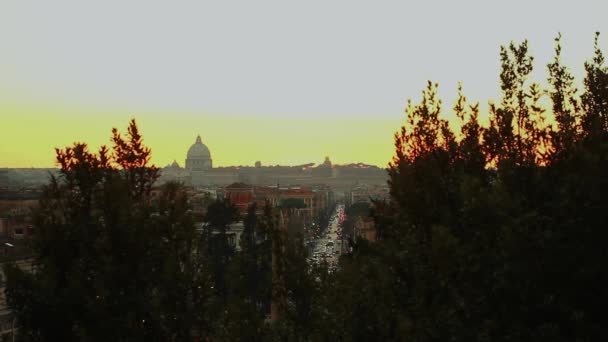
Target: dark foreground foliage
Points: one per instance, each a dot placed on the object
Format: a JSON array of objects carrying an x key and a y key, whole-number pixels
[{"x": 492, "y": 233}]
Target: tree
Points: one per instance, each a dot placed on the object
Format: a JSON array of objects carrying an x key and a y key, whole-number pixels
[
  {"x": 249, "y": 284},
  {"x": 595, "y": 97},
  {"x": 111, "y": 263},
  {"x": 565, "y": 104},
  {"x": 516, "y": 130},
  {"x": 294, "y": 290},
  {"x": 220, "y": 214},
  {"x": 293, "y": 203},
  {"x": 470, "y": 147},
  {"x": 352, "y": 213},
  {"x": 507, "y": 250}
]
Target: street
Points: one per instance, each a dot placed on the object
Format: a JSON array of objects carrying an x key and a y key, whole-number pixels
[{"x": 329, "y": 246}]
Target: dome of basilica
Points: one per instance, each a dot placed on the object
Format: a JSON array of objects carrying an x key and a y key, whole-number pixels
[
  {"x": 198, "y": 150},
  {"x": 198, "y": 158}
]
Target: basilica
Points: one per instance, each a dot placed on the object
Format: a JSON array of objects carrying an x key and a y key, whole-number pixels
[
  {"x": 198, "y": 157},
  {"x": 198, "y": 171}
]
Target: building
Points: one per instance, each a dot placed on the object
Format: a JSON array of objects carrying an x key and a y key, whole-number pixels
[
  {"x": 304, "y": 195},
  {"x": 364, "y": 193},
  {"x": 200, "y": 167},
  {"x": 200, "y": 172},
  {"x": 174, "y": 172},
  {"x": 20, "y": 225},
  {"x": 198, "y": 157},
  {"x": 16, "y": 218},
  {"x": 243, "y": 195},
  {"x": 323, "y": 200}
]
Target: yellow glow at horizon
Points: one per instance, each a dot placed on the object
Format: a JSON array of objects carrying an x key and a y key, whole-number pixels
[{"x": 29, "y": 133}]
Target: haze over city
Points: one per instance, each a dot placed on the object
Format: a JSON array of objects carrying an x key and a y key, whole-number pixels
[
  {"x": 270, "y": 81},
  {"x": 303, "y": 171}
]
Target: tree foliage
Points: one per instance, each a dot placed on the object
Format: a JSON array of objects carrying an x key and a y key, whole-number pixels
[
  {"x": 492, "y": 233},
  {"x": 114, "y": 261}
]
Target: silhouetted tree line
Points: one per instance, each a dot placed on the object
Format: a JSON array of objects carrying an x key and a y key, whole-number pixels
[{"x": 493, "y": 233}]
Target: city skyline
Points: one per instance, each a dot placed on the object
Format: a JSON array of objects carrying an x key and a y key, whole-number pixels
[
  {"x": 247, "y": 150},
  {"x": 311, "y": 171},
  {"x": 265, "y": 81}
]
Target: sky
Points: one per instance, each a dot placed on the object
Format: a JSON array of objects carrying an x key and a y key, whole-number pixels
[{"x": 282, "y": 82}]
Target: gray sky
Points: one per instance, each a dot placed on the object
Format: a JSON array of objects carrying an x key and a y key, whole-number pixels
[{"x": 339, "y": 58}]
